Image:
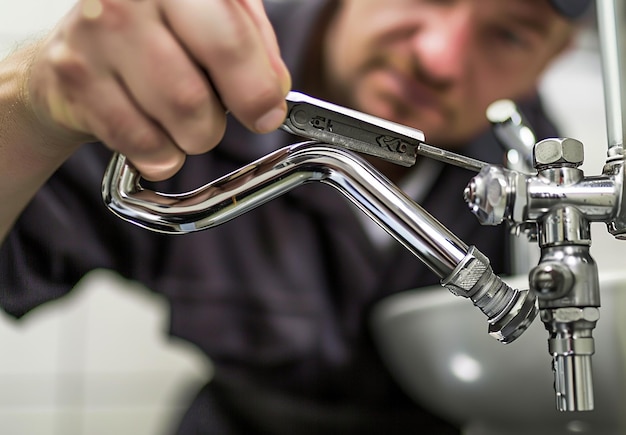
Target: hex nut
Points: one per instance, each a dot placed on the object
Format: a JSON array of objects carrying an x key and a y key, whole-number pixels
[
  {"x": 558, "y": 152},
  {"x": 570, "y": 314},
  {"x": 487, "y": 195},
  {"x": 519, "y": 317}
]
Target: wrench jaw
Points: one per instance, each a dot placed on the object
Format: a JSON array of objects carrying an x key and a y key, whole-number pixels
[
  {"x": 325, "y": 122},
  {"x": 319, "y": 120}
]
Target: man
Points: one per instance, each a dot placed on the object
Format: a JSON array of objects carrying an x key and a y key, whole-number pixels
[{"x": 279, "y": 297}]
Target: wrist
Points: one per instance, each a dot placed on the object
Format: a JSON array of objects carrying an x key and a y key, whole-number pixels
[{"x": 31, "y": 129}]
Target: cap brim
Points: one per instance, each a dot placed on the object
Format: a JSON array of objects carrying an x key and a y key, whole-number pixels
[{"x": 571, "y": 8}]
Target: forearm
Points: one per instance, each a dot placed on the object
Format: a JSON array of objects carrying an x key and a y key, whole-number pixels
[{"x": 28, "y": 154}]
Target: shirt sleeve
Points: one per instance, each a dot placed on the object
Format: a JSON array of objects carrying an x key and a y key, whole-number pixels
[{"x": 64, "y": 233}]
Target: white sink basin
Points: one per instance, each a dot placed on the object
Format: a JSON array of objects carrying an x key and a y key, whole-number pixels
[{"x": 437, "y": 347}]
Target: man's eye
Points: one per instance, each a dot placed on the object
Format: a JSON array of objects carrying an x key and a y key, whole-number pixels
[
  {"x": 442, "y": 2},
  {"x": 510, "y": 37}
]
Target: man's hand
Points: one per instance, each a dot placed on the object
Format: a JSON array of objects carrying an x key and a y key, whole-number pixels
[{"x": 154, "y": 78}]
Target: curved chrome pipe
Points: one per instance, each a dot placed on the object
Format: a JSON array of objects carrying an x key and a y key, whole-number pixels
[
  {"x": 273, "y": 175},
  {"x": 464, "y": 270}
]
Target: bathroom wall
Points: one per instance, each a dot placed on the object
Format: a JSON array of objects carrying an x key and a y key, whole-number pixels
[
  {"x": 96, "y": 362},
  {"x": 100, "y": 361}
]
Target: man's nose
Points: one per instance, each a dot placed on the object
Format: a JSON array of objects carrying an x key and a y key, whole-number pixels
[{"x": 443, "y": 46}]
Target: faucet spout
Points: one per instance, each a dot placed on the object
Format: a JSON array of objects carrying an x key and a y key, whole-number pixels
[
  {"x": 463, "y": 270},
  {"x": 273, "y": 175}
]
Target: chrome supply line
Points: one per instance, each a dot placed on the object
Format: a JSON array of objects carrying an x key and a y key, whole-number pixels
[
  {"x": 612, "y": 44},
  {"x": 612, "y": 31}
]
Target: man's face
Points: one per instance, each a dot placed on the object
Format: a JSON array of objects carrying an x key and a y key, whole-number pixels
[{"x": 437, "y": 64}]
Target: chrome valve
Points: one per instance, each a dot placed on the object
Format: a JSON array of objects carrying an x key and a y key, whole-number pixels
[
  {"x": 561, "y": 203},
  {"x": 555, "y": 206}
]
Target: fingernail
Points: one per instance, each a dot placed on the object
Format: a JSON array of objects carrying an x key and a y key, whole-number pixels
[
  {"x": 271, "y": 120},
  {"x": 286, "y": 82}
]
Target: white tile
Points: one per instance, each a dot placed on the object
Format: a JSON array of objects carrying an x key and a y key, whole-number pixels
[
  {"x": 141, "y": 390},
  {"x": 32, "y": 15},
  {"x": 27, "y": 391},
  {"x": 30, "y": 345},
  {"x": 147, "y": 421},
  {"x": 28, "y": 422},
  {"x": 127, "y": 330},
  {"x": 96, "y": 361}
]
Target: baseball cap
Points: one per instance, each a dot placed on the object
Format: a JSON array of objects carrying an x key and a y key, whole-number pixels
[{"x": 570, "y": 8}]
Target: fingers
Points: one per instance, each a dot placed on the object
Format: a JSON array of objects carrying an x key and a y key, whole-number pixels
[
  {"x": 125, "y": 128},
  {"x": 257, "y": 12},
  {"x": 241, "y": 57},
  {"x": 173, "y": 91},
  {"x": 112, "y": 116},
  {"x": 153, "y": 78}
]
